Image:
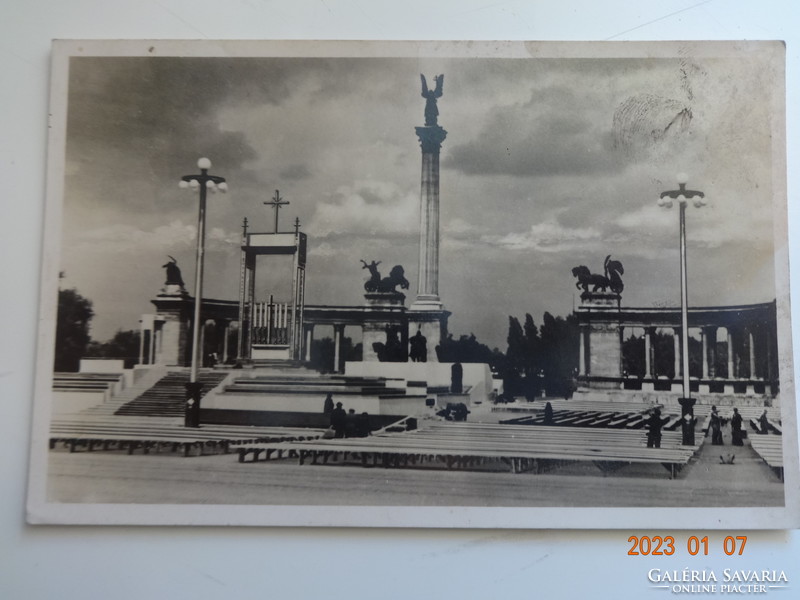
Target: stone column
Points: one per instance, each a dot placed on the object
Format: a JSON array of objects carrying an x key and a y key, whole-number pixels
[
  {"x": 309, "y": 339},
  {"x": 677, "y": 380},
  {"x": 731, "y": 371},
  {"x": 752, "y": 351},
  {"x": 648, "y": 352},
  {"x": 338, "y": 334},
  {"x": 582, "y": 351},
  {"x": 430, "y": 138},
  {"x": 708, "y": 336},
  {"x": 676, "y": 344},
  {"x": 226, "y": 327},
  {"x": 704, "y": 337},
  {"x": 141, "y": 342}
]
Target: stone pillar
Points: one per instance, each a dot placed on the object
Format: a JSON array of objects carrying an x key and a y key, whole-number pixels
[
  {"x": 676, "y": 344},
  {"x": 338, "y": 334},
  {"x": 226, "y": 327},
  {"x": 750, "y": 389},
  {"x": 708, "y": 336},
  {"x": 582, "y": 351},
  {"x": 431, "y": 138},
  {"x": 704, "y": 339},
  {"x": 155, "y": 342},
  {"x": 309, "y": 339},
  {"x": 141, "y": 342},
  {"x": 731, "y": 370},
  {"x": 677, "y": 379},
  {"x": 648, "y": 386}
]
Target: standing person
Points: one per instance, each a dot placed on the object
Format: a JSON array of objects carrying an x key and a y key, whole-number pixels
[
  {"x": 654, "y": 424},
  {"x": 763, "y": 422},
  {"x": 456, "y": 378},
  {"x": 548, "y": 414},
  {"x": 338, "y": 420},
  {"x": 736, "y": 428},
  {"x": 716, "y": 427},
  {"x": 362, "y": 425},
  {"x": 327, "y": 408},
  {"x": 350, "y": 423}
]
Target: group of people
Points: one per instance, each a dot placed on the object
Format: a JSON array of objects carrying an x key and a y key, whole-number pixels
[
  {"x": 345, "y": 424},
  {"x": 717, "y": 422},
  {"x": 654, "y": 424}
]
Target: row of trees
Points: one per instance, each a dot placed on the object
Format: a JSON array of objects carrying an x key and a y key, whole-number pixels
[
  {"x": 536, "y": 359},
  {"x": 541, "y": 358},
  {"x": 74, "y": 342}
]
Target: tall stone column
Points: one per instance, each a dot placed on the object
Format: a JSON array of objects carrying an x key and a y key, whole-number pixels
[
  {"x": 430, "y": 139},
  {"x": 426, "y": 314}
]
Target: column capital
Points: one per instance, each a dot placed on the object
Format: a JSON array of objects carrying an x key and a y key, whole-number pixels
[{"x": 431, "y": 138}]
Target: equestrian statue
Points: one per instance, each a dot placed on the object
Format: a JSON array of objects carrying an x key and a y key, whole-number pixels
[
  {"x": 387, "y": 284},
  {"x": 600, "y": 283}
]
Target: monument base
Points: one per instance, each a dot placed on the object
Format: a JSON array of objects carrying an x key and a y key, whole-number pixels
[{"x": 385, "y": 299}]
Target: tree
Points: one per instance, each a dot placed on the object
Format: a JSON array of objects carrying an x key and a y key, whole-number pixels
[
  {"x": 524, "y": 355},
  {"x": 466, "y": 349},
  {"x": 559, "y": 351},
  {"x": 124, "y": 345},
  {"x": 72, "y": 329}
]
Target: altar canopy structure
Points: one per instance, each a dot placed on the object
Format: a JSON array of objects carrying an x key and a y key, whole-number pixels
[{"x": 272, "y": 329}]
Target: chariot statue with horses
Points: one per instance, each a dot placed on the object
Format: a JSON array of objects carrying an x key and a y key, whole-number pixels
[
  {"x": 611, "y": 279},
  {"x": 386, "y": 284}
]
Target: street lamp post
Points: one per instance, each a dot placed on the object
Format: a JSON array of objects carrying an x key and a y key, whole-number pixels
[
  {"x": 204, "y": 182},
  {"x": 683, "y": 196}
]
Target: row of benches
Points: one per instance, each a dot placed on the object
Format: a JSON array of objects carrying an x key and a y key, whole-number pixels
[
  {"x": 468, "y": 445},
  {"x": 154, "y": 434}
]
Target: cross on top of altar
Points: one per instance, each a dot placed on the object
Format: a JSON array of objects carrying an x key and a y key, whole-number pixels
[{"x": 276, "y": 203}]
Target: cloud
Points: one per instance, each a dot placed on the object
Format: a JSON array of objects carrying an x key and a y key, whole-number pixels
[
  {"x": 367, "y": 207},
  {"x": 549, "y": 236},
  {"x": 457, "y": 226},
  {"x": 175, "y": 235},
  {"x": 551, "y": 134},
  {"x": 323, "y": 249},
  {"x": 295, "y": 172}
]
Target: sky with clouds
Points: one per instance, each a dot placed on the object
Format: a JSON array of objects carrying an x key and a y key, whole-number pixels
[{"x": 549, "y": 163}]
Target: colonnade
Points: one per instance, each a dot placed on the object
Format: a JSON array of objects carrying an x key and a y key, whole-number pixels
[{"x": 734, "y": 348}]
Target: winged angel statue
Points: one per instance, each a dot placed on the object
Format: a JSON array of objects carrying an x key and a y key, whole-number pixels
[{"x": 431, "y": 111}]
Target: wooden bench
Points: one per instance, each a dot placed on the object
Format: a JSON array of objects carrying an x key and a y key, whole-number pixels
[
  {"x": 467, "y": 445},
  {"x": 147, "y": 433},
  {"x": 770, "y": 449}
]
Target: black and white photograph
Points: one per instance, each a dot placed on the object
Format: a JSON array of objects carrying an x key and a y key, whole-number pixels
[{"x": 416, "y": 284}]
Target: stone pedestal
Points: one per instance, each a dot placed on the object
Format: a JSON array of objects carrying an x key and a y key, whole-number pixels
[
  {"x": 379, "y": 329},
  {"x": 604, "y": 343},
  {"x": 431, "y": 322},
  {"x": 172, "y": 345}
]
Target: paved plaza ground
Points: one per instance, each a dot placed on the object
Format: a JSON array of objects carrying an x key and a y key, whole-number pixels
[{"x": 115, "y": 477}]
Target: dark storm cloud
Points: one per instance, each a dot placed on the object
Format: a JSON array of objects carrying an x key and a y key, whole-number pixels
[{"x": 546, "y": 136}]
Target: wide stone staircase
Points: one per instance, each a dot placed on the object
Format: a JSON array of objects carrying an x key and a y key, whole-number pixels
[{"x": 167, "y": 398}]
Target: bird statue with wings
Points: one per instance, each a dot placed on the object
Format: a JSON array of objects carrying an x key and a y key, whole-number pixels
[{"x": 431, "y": 111}]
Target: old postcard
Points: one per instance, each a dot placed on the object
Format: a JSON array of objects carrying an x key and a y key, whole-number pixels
[{"x": 410, "y": 284}]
